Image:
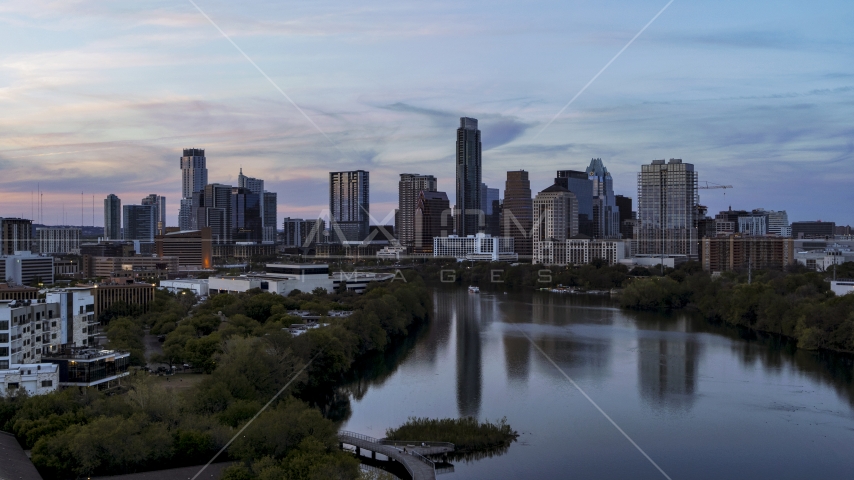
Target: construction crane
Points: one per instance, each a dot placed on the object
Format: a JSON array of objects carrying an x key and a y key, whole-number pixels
[{"x": 711, "y": 185}]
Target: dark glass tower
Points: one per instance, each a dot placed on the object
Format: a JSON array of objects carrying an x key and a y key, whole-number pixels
[
  {"x": 349, "y": 205},
  {"x": 517, "y": 213},
  {"x": 468, "y": 214}
]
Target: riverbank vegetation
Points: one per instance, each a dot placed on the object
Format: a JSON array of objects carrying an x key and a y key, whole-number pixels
[
  {"x": 797, "y": 303},
  {"x": 243, "y": 345},
  {"x": 467, "y": 434}
]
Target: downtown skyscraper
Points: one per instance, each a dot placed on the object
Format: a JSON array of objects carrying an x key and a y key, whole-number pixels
[
  {"x": 409, "y": 188},
  {"x": 267, "y": 201},
  {"x": 349, "y": 205},
  {"x": 468, "y": 213},
  {"x": 517, "y": 214},
  {"x": 606, "y": 213},
  {"x": 194, "y": 178},
  {"x": 667, "y": 209},
  {"x": 159, "y": 203}
]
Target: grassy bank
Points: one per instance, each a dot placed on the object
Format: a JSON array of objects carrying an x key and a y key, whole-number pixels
[{"x": 467, "y": 434}]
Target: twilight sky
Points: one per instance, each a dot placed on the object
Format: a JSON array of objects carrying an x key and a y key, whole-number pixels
[{"x": 100, "y": 97}]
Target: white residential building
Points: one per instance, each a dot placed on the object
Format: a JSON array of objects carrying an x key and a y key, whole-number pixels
[
  {"x": 35, "y": 378},
  {"x": 480, "y": 246},
  {"x": 78, "y": 325},
  {"x": 28, "y": 329},
  {"x": 581, "y": 251}
]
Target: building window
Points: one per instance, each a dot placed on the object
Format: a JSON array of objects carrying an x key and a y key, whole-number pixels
[
  {"x": 47, "y": 383},
  {"x": 4, "y": 325},
  {"x": 13, "y": 385},
  {"x": 4, "y": 351},
  {"x": 4, "y": 364}
]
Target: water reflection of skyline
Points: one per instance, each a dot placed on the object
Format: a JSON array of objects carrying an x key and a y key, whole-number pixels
[{"x": 668, "y": 367}]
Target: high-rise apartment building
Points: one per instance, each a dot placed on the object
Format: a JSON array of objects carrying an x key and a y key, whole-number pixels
[
  {"x": 139, "y": 222},
  {"x": 517, "y": 214},
  {"x": 58, "y": 240},
  {"x": 409, "y": 188},
  {"x": 16, "y": 235},
  {"x": 667, "y": 206},
  {"x": 112, "y": 218},
  {"x": 301, "y": 233},
  {"x": 269, "y": 201},
  {"x": 432, "y": 219},
  {"x": 606, "y": 214},
  {"x": 468, "y": 213},
  {"x": 194, "y": 178},
  {"x": 349, "y": 205},
  {"x": 581, "y": 184},
  {"x": 159, "y": 203},
  {"x": 777, "y": 222},
  {"x": 555, "y": 221}
]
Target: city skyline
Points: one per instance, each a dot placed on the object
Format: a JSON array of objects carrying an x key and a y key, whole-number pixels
[{"x": 761, "y": 108}]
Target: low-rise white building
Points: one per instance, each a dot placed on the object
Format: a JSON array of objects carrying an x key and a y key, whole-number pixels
[
  {"x": 24, "y": 268},
  {"x": 581, "y": 251},
  {"x": 278, "y": 278},
  {"x": 199, "y": 286},
  {"x": 842, "y": 287},
  {"x": 481, "y": 247},
  {"x": 35, "y": 378},
  {"x": 358, "y": 281}
]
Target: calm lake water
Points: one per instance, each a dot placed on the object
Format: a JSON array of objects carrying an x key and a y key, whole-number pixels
[{"x": 703, "y": 401}]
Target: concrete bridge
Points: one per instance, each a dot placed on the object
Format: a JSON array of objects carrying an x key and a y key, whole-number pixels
[{"x": 413, "y": 460}]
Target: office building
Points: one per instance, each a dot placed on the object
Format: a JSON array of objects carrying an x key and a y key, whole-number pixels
[
  {"x": 731, "y": 216},
  {"x": 817, "y": 229},
  {"x": 349, "y": 205},
  {"x": 409, "y": 188},
  {"x": 433, "y": 218},
  {"x": 267, "y": 201},
  {"x": 255, "y": 185},
  {"x": 16, "y": 235},
  {"x": 667, "y": 207},
  {"x": 58, "y": 240},
  {"x": 27, "y": 268},
  {"x": 490, "y": 200},
  {"x": 468, "y": 212},
  {"x": 777, "y": 222},
  {"x": 738, "y": 252},
  {"x": 627, "y": 216},
  {"x": 142, "y": 267},
  {"x": 581, "y": 184},
  {"x": 215, "y": 211},
  {"x": 193, "y": 248},
  {"x": 199, "y": 286},
  {"x": 606, "y": 214},
  {"x": 246, "y": 220},
  {"x": 194, "y": 178},
  {"x": 478, "y": 247},
  {"x": 112, "y": 218},
  {"x": 16, "y": 292},
  {"x": 90, "y": 367},
  {"x": 280, "y": 279},
  {"x": 517, "y": 212},
  {"x": 159, "y": 204},
  {"x": 140, "y": 222},
  {"x": 301, "y": 233}
]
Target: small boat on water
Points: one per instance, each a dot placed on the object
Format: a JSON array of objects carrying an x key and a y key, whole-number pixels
[{"x": 473, "y": 289}]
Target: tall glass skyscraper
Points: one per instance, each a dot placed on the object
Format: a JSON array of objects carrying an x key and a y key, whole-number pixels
[
  {"x": 194, "y": 178},
  {"x": 606, "y": 214},
  {"x": 140, "y": 222},
  {"x": 667, "y": 209},
  {"x": 468, "y": 213},
  {"x": 159, "y": 203},
  {"x": 349, "y": 205},
  {"x": 112, "y": 218}
]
